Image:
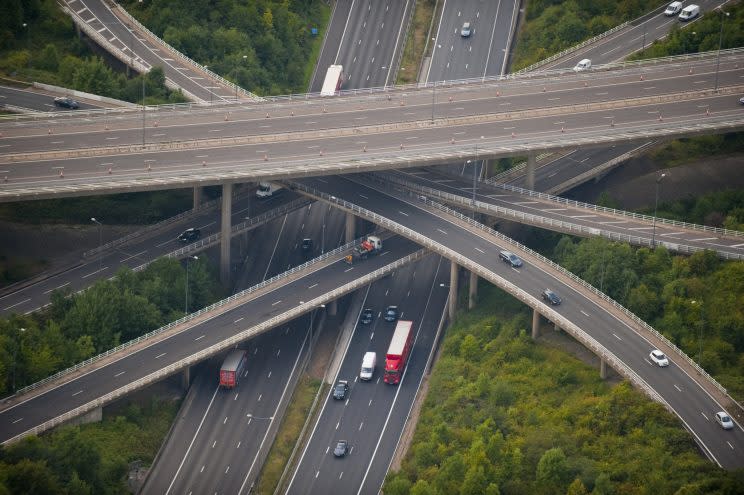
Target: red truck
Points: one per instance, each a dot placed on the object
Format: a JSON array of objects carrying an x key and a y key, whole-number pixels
[
  {"x": 231, "y": 368},
  {"x": 398, "y": 352}
]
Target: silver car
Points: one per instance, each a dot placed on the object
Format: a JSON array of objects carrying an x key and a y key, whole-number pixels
[
  {"x": 658, "y": 358},
  {"x": 724, "y": 420}
]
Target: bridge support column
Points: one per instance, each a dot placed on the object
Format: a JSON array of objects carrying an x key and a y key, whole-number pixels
[
  {"x": 602, "y": 368},
  {"x": 473, "y": 290},
  {"x": 535, "y": 324},
  {"x": 531, "y": 164},
  {"x": 225, "y": 231},
  {"x": 332, "y": 307},
  {"x": 452, "y": 302},
  {"x": 197, "y": 197},
  {"x": 350, "y": 227},
  {"x": 556, "y": 327},
  {"x": 186, "y": 378}
]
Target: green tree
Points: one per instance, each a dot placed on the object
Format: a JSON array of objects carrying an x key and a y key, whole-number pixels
[
  {"x": 577, "y": 488},
  {"x": 552, "y": 469}
]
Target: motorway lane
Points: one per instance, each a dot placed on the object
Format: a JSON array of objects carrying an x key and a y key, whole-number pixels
[
  {"x": 138, "y": 252},
  {"x": 374, "y": 410},
  {"x": 617, "y": 226},
  {"x": 35, "y": 101},
  {"x": 139, "y": 363},
  {"x": 633, "y": 38},
  {"x": 372, "y": 37},
  {"x": 482, "y": 54},
  {"x": 71, "y": 133},
  {"x": 334, "y": 34},
  {"x": 691, "y": 403}
]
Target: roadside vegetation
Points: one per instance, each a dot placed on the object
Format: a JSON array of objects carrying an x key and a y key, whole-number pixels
[
  {"x": 38, "y": 43},
  {"x": 506, "y": 415},
  {"x": 413, "y": 52},
  {"x": 265, "y": 46},
  {"x": 78, "y": 326},
  {"x": 89, "y": 459}
]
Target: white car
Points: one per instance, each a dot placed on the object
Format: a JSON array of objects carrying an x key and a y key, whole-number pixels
[
  {"x": 724, "y": 420},
  {"x": 673, "y": 9},
  {"x": 658, "y": 358},
  {"x": 584, "y": 64}
]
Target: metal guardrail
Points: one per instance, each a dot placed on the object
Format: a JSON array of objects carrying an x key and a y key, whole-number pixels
[
  {"x": 520, "y": 294},
  {"x": 220, "y": 346},
  {"x": 572, "y": 228},
  {"x": 596, "y": 292}
]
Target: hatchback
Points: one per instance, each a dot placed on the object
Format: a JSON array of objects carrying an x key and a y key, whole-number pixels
[
  {"x": 342, "y": 448},
  {"x": 511, "y": 258},
  {"x": 66, "y": 102},
  {"x": 366, "y": 316},
  {"x": 189, "y": 235},
  {"x": 551, "y": 297},
  {"x": 658, "y": 358},
  {"x": 391, "y": 313},
  {"x": 724, "y": 420},
  {"x": 465, "y": 31}
]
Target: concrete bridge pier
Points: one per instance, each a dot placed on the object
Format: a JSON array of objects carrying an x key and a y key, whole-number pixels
[
  {"x": 473, "y": 290},
  {"x": 197, "y": 197},
  {"x": 332, "y": 307},
  {"x": 186, "y": 378},
  {"x": 452, "y": 301},
  {"x": 225, "y": 232},
  {"x": 603, "y": 368},
  {"x": 350, "y": 227},
  {"x": 535, "y": 324},
  {"x": 530, "y": 176}
]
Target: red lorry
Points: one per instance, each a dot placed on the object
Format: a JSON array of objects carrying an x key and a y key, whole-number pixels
[
  {"x": 398, "y": 352},
  {"x": 232, "y": 368}
]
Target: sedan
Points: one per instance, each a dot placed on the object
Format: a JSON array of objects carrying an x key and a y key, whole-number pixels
[
  {"x": 366, "y": 317},
  {"x": 724, "y": 420},
  {"x": 341, "y": 389},
  {"x": 658, "y": 358},
  {"x": 342, "y": 448},
  {"x": 551, "y": 297},
  {"x": 391, "y": 313},
  {"x": 66, "y": 102}
]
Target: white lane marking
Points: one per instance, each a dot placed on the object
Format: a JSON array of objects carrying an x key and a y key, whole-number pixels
[
  {"x": 480, "y": 250},
  {"x": 337, "y": 424},
  {"x": 77, "y": 393},
  {"x": 616, "y": 336},
  {"x": 705, "y": 239},
  {"x": 133, "y": 256},
  {"x": 50, "y": 290},
  {"x": 239, "y": 319},
  {"x": 224, "y": 421},
  {"x": 18, "y": 420},
  {"x": 277, "y": 302},
  {"x": 442, "y": 231},
  {"x": 317, "y": 473},
  {"x": 706, "y": 417},
  {"x": 226, "y": 470},
  {"x": 259, "y": 397},
  {"x": 119, "y": 373},
  {"x": 160, "y": 355},
  {"x": 363, "y": 196},
  {"x": 314, "y": 285},
  {"x": 584, "y": 313},
  {"x": 279, "y": 351},
  {"x": 199, "y": 338},
  {"x": 361, "y": 425},
  {"x": 93, "y": 273},
  {"x": 729, "y": 444},
  {"x": 269, "y": 375},
  {"x": 678, "y": 389},
  {"x": 402, "y": 213}
]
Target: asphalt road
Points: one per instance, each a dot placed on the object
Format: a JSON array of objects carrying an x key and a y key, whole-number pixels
[
  {"x": 320, "y": 154},
  {"x": 485, "y": 52},
  {"x": 364, "y": 36},
  {"x": 694, "y": 406},
  {"x": 374, "y": 413},
  {"x": 34, "y": 101}
]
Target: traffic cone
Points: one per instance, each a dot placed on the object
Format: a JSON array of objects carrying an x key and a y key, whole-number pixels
[
  {"x": 364, "y": 149},
  {"x": 401, "y": 145},
  {"x": 156, "y": 123},
  {"x": 321, "y": 152},
  {"x": 660, "y": 119},
  {"x": 641, "y": 77},
  {"x": 266, "y": 158},
  {"x": 226, "y": 117},
  {"x": 514, "y": 135},
  {"x": 562, "y": 129},
  {"x": 109, "y": 170},
  {"x": 267, "y": 115},
  {"x": 498, "y": 93},
  {"x": 49, "y": 130},
  {"x": 61, "y": 172},
  {"x": 204, "y": 163}
]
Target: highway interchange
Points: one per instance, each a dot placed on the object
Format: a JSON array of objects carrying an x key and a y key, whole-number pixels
[{"x": 331, "y": 471}]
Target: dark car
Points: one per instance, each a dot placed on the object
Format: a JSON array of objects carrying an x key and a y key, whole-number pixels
[
  {"x": 189, "y": 235},
  {"x": 66, "y": 102},
  {"x": 307, "y": 245},
  {"x": 341, "y": 389},
  {"x": 342, "y": 448},
  {"x": 391, "y": 313},
  {"x": 551, "y": 297},
  {"x": 367, "y": 316},
  {"x": 511, "y": 258}
]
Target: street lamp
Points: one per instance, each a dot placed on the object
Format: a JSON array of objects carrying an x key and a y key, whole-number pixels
[
  {"x": 720, "y": 42},
  {"x": 702, "y": 323},
  {"x": 312, "y": 320},
  {"x": 15, "y": 351},
  {"x": 187, "y": 280},
  {"x": 143, "y": 108},
  {"x": 206, "y": 67},
  {"x": 100, "y": 242},
  {"x": 236, "y": 77},
  {"x": 656, "y": 206}
]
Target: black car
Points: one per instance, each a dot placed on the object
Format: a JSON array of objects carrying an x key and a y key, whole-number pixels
[
  {"x": 366, "y": 317},
  {"x": 342, "y": 448},
  {"x": 511, "y": 258},
  {"x": 551, "y": 297},
  {"x": 66, "y": 102},
  {"x": 391, "y": 313},
  {"x": 341, "y": 389},
  {"x": 307, "y": 245},
  {"x": 189, "y": 235}
]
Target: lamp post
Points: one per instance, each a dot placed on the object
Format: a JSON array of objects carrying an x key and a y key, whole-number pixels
[
  {"x": 187, "y": 281},
  {"x": 720, "y": 42},
  {"x": 312, "y": 320},
  {"x": 100, "y": 242},
  {"x": 15, "y": 351},
  {"x": 702, "y": 323},
  {"x": 206, "y": 67},
  {"x": 143, "y": 108},
  {"x": 433, "y": 99},
  {"x": 236, "y": 77},
  {"x": 656, "y": 206}
]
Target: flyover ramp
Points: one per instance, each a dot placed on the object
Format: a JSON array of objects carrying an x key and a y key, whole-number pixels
[
  {"x": 170, "y": 349},
  {"x": 620, "y": 338}
]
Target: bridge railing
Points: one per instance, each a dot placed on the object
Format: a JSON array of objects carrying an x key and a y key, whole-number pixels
[
  {"x": 626, "y": 312},
  {"x": 190, "y": 317},
  {"x": 569, "y": 227}
]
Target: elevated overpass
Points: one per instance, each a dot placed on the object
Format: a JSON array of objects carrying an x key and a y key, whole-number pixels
[{"x": 370, "y": 130}]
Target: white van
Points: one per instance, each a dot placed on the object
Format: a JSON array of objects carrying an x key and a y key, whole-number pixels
[
  {"x": 690, "y": 12},
  {"x": 368, "y": 366},
  {"x": 673, "y": 9},
  {"x": 584, "y": 64},
  {"x": 267, "y": 189}
]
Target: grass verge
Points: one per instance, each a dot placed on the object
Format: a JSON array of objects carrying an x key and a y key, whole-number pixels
[{"x": 413, "y": 52}]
